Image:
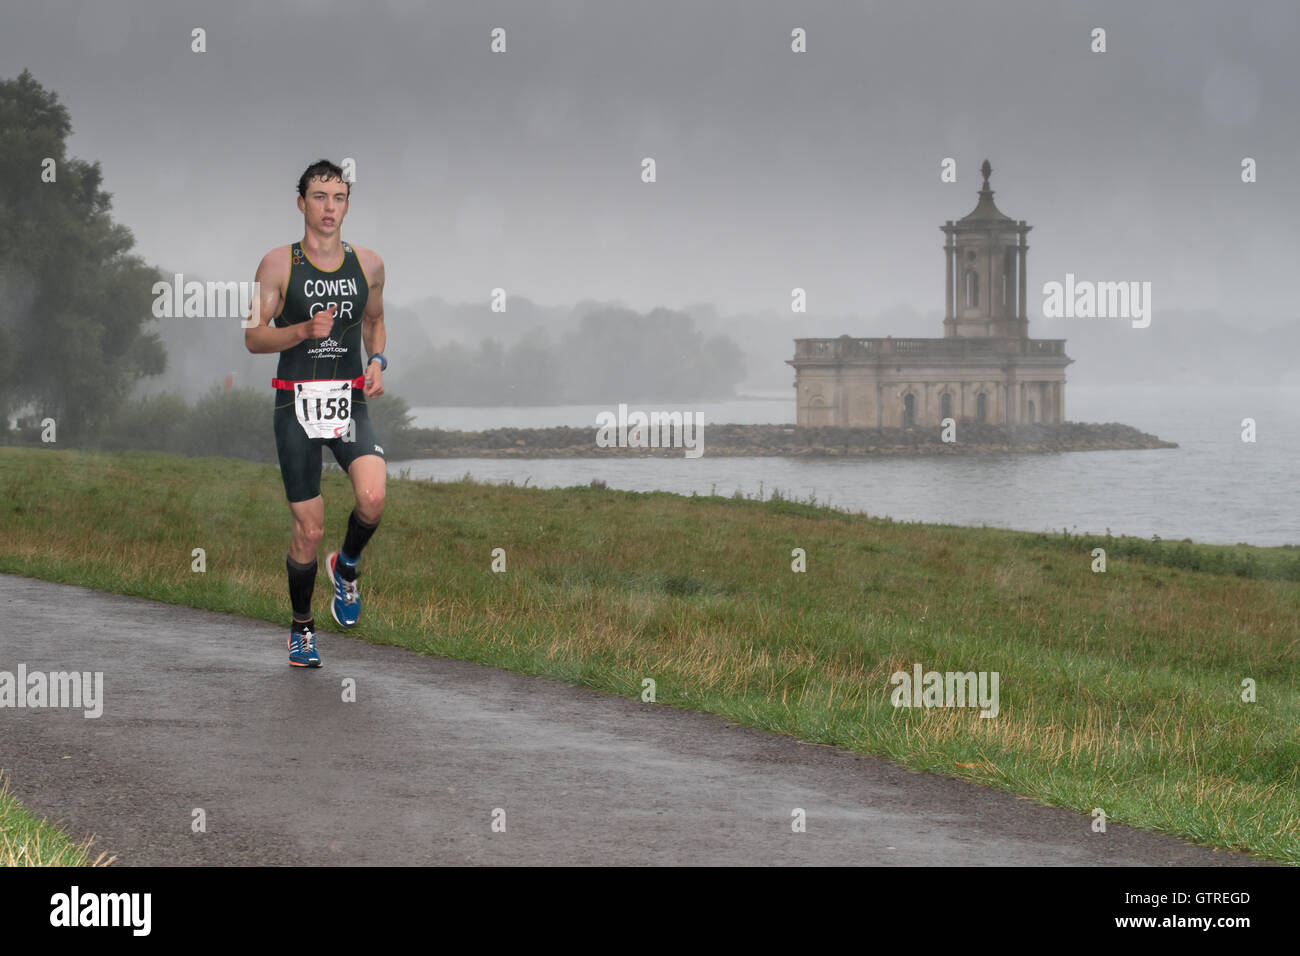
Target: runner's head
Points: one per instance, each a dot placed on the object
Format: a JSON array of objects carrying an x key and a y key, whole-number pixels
[{"x": 323, "y": 197}]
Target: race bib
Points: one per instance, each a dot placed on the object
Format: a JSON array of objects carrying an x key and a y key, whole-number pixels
[{"x": 324, "y": 408}]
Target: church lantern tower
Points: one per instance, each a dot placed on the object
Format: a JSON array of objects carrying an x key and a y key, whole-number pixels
[{"x": 985, "y": 253}]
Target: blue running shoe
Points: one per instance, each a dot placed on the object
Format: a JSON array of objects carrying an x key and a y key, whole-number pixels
[
  {"x": 346, "y": 606},
  {"x": 302, "y": 649}
]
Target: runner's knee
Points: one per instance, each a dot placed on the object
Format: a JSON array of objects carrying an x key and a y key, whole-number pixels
[
  {"x": 370, "y": 504},
  {"x": 308, "y": 531}
]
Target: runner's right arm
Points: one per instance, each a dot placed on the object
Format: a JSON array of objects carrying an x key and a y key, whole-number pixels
[{"x": 261, "y": 336}]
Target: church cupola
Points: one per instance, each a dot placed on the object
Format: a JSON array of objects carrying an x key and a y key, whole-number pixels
[{"x": 985, "y": 253}]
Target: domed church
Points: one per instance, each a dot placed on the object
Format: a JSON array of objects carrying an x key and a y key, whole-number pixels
[{"x": 984, "y": 369}]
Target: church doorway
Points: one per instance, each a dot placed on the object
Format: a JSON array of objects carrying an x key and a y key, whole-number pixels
[
  {"x": 909, "y": 410},
  {"x": 981, "y": 408}
]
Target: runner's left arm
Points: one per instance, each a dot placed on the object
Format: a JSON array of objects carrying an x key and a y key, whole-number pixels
[{"x": 373, "y": 336}]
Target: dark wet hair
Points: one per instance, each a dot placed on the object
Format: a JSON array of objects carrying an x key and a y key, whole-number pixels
[{"x": 321, "y": 169}]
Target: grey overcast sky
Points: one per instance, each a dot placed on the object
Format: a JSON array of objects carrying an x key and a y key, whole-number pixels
[{"x": 775, "y": 169}]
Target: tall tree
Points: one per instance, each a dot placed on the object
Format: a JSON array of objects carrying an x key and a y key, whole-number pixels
[{"x": 73, "y": 301}]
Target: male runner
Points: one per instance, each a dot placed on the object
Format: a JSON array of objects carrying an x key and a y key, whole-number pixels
[{"x": 324, "y": 298}]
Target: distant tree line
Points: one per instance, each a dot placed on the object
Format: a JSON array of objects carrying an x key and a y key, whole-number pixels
[{"x": 612, "y": 355}]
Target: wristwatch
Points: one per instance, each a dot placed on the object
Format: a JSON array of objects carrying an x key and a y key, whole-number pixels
[{"x": 383, "y": 362}]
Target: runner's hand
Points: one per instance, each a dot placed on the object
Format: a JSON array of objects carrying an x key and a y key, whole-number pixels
[
  {"x": 320, "y": 324},
  {"x": 374, "y": 380}
]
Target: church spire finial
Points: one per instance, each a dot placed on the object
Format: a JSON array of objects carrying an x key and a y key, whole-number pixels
[{"x": 986, "y": 169}]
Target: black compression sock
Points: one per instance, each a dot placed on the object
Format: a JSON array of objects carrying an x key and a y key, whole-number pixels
[
  {"x": 302, "y": 581},
  {"x": 307, "y": 625},
  {"x": 358, "y": 534}
]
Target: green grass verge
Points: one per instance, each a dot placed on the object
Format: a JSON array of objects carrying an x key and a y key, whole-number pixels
[
  {"x": 1120, "y": 690},
  {"x": 27, "y": 840}
]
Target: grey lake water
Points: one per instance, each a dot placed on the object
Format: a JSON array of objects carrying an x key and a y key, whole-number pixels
[{"x": 1213, "y": 488}]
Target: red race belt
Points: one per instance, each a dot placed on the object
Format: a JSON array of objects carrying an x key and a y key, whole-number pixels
[{"x": 358, "y": 382}]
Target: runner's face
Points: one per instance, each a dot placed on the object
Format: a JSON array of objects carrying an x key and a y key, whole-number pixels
[{"x": 325, "y": 205}]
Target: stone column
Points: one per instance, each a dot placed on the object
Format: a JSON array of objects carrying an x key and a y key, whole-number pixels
[
  {"x": 949, "y": 250},
  {"x": 1024, "y": 252},
  {"x": 989, "y": 313},
  {"x": 841, "y": 398}
]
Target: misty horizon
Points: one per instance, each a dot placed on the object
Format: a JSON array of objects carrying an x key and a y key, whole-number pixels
[{"x": 776, "y": 170}]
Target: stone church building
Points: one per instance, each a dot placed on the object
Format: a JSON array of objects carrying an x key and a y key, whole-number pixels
[{"x": 984, "y": 369}]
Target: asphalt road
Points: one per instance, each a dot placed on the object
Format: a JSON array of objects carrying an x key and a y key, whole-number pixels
[{"x": 202, "y": 711}]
